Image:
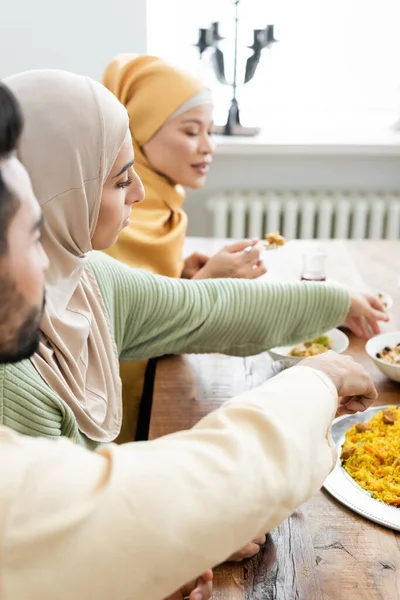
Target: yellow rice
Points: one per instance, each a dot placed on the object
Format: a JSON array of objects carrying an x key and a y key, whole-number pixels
[{"x": 375, "y": 463}]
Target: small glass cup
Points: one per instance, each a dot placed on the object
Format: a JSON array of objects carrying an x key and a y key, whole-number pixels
[{"x": 314, "y": 264}]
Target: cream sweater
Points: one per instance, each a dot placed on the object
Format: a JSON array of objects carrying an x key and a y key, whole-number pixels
[{"x": 135, "y": 522}]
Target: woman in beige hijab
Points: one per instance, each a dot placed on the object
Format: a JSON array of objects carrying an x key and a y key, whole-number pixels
[{"x": 70, "y": 159}]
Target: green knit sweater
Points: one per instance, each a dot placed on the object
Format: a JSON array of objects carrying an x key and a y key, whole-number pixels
[{"x": 152, "y": 315}]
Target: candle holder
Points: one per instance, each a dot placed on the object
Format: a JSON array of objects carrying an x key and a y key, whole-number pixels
[{"x": 210, "y": 39}]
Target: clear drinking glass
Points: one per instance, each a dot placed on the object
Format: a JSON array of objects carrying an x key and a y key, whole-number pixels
[{"x": 314, "y": 264}]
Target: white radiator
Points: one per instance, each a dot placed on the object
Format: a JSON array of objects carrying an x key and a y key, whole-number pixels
[{"x": 307, "y": 215}]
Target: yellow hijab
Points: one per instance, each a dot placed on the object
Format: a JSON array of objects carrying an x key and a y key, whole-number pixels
[
  {"x": 73, "y": 131},
  {"x": 152, "y": 91}
]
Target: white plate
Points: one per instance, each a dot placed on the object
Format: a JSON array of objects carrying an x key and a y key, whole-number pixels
[
  {"x": 343, "y": 487},
  {"x": 340, "y": 343}
]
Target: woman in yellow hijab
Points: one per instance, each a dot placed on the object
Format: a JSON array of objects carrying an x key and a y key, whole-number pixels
[{"x": 171, "y": 125}]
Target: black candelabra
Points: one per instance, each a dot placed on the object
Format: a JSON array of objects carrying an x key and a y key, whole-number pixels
[{"x": 210, "y": 39}]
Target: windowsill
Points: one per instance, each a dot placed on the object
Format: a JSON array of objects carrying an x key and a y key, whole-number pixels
[
  {"x": 300, "y": 136},
  {"x": 386, "y": 143}
]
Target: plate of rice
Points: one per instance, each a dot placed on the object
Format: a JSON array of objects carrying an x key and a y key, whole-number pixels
[{"x": 366, "y": 477}]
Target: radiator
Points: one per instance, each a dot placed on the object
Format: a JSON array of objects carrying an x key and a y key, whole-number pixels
[{"x": 306, "y": 215}]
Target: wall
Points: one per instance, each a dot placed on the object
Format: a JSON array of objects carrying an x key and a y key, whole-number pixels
[
  {"x": 260, "y": 172},
  {"x": 76, "y": 35}
]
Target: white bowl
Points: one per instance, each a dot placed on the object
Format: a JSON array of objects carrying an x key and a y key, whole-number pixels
[
  {"x": 375, "y": 344},
  {"x": 340, "y": 343}
]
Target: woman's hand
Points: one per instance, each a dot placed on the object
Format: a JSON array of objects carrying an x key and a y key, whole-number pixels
[
  {"x": 193, "y": 264},
  {"x": 239, "y": 260},
  {"x": 198, "y": 589},
  {"x": 364, "y": 314},
  {"x": 249, "y": 550}
]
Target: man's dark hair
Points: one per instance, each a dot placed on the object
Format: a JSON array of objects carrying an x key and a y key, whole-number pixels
[
  {"x": 10, "y": 132},
  {"x": 10, "y": 121}
]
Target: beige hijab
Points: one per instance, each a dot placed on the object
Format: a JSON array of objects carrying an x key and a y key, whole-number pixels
[{"x": 74, "y": 129}]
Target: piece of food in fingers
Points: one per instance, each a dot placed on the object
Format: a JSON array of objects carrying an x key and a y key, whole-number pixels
[
  {"x": 271, "y": 241},
  {"x": 275, "y": 239},
  {"x": 382, "y": 299}
]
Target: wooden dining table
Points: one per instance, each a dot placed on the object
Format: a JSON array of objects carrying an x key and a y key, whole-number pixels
[{"x": 323, "y": 551}]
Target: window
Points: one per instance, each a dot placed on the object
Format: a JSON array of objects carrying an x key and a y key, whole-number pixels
[{"x": 336, "y": 60}]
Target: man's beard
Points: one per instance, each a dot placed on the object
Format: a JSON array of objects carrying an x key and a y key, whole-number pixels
[{"x": 17, "y": 342}]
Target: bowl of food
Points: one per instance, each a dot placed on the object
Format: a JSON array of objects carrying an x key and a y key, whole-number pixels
[
  {"x": 331, "y": 340},
  {"x": 384, "y": 349}
]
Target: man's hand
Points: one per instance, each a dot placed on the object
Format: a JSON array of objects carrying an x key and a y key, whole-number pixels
[
  {"x": 198, "y": 589},
  {"x": 354, "y": 385}
]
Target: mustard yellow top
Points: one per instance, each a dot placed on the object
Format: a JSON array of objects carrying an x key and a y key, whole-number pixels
[{"x": 151, "y": 90}]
